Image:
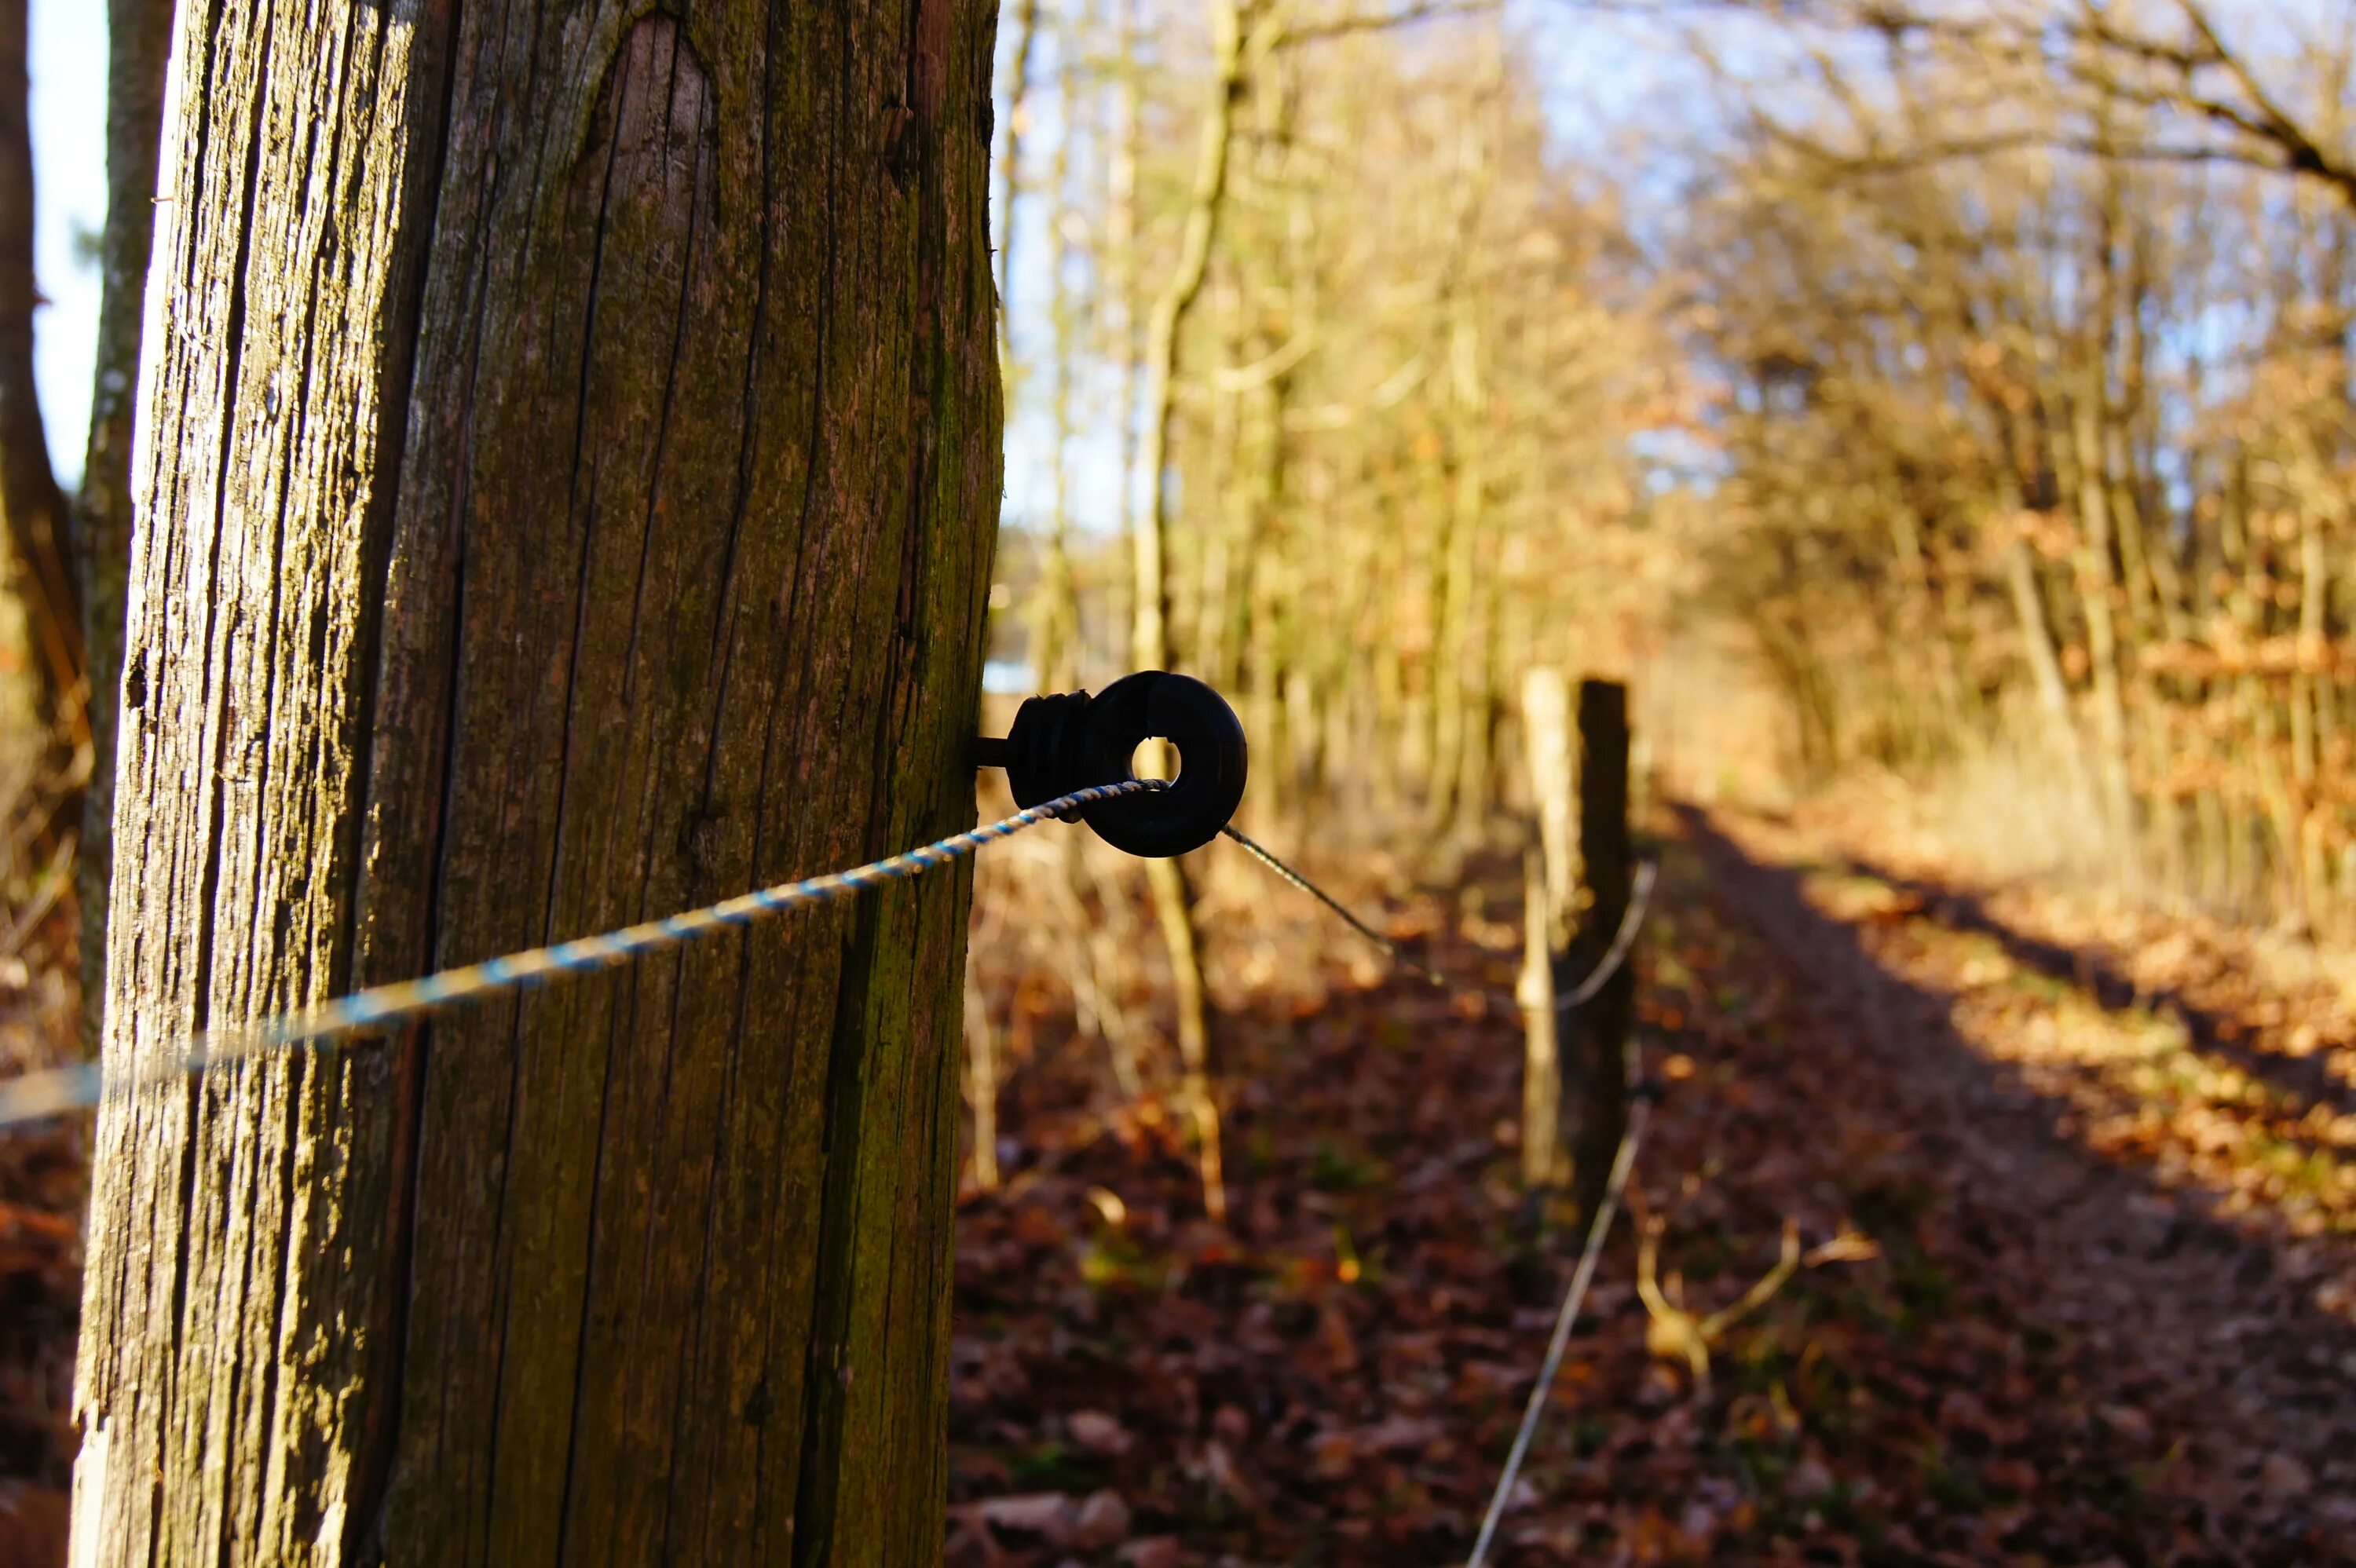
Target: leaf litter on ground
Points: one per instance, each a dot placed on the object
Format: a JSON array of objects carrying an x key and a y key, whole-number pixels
[
  {"x": 2048, "y": 1314},
  {"x": 2075, "y": 1184}
]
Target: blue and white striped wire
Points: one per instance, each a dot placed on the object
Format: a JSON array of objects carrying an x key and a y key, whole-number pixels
[{"x": 40, "y": 1094}]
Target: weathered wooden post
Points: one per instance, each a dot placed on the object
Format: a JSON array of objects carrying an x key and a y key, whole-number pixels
[
  {"x": 1597, "y": 1093},
  {"x": 1543, "y": 1165},
  {"x": 568, "y": 481},
  {"x": 1554, "y": 786},
  {"x": 1550, "y": 891}
]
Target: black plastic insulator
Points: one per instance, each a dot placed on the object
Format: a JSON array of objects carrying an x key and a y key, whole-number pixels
[{"x": 1074, "y": 741}]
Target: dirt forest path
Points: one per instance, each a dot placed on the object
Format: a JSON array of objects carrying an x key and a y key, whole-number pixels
[
  {"x": 2106, "y": 1316},
  {"x": 2177, "y": 1184}
]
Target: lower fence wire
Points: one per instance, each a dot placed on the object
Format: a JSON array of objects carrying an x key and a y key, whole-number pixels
[
  {"x": 1640, "y": 898},
  {"x": 35, "y": 1095},
  {"x": 1399, "y": 956},
  {"x": 1623, "y": 1162}
]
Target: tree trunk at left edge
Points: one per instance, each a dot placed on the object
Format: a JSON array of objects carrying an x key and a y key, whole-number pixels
[{"x": 38, "y": 527}]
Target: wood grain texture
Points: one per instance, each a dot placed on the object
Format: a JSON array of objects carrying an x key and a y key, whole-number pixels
[{"x": 570, "y": 487}]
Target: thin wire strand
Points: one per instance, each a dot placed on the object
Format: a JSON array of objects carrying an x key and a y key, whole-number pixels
[
  {"x": 1397, "y": 955},
  {"x": 35, "y": 1095},
  {"x": 1623, "y": 1162},
  {"x": 1623, "y": 941},
  {"x": 1640, "y": 900}
]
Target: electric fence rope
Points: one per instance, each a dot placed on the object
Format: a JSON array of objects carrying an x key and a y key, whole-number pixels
[
  {"x": 1623, "y": 941},
  {"x": 37, "y": 1096}
]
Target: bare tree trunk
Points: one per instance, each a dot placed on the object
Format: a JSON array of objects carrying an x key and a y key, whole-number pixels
[
  {"x": 1456, "y": 680},
  {"x": 1120, "y": 293},
  {"x": 2097, "y": 579},
  {"x": 139, "y": 41},
  {"x": 982, "y": 1083},
  {"x": 2044, "y": 664},
  {"x": 1173, "y": 908},
  {"x": 1460, "y": 673},
  {"x": 1174, "y": 903},
  {"x": 1018, "y": 119},
  {"x": 569, "y": 462},
  {"x": 33, "y": 507},
  {"x": 1055, "y": 612},
  {"x": 1205, "y": 198}
]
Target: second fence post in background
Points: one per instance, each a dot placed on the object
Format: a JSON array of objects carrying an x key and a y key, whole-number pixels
[
  {"x": 1545, "y": 1156},
  {"x": 1595, "y": 1047},
  {"x": 1554, "y": 788},
  {"x": 1549, "y": 906}
]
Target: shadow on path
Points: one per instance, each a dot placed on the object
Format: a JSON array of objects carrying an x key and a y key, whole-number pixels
[
  {"x": 2220, "y": 1311},
  {"x": 2307, "y": 1081}
]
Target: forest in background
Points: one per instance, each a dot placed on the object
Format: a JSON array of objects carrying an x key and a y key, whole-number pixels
[
  {"x": 1958, "y": 391},
  {"x": 1940, "y": 416}
]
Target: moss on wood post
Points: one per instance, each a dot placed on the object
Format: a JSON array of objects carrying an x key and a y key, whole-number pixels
[{"x": 568, "y": 479}]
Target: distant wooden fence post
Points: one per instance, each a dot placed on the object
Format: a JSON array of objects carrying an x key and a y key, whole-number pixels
[
  {"x": 1550, "y": 893},
  {"x": 1574, "y": 1072},
  {"x": 1545, "y": 737},
  {"x": 1544, "y": 1161},
  {"x": 1596, "y": 1055}
]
